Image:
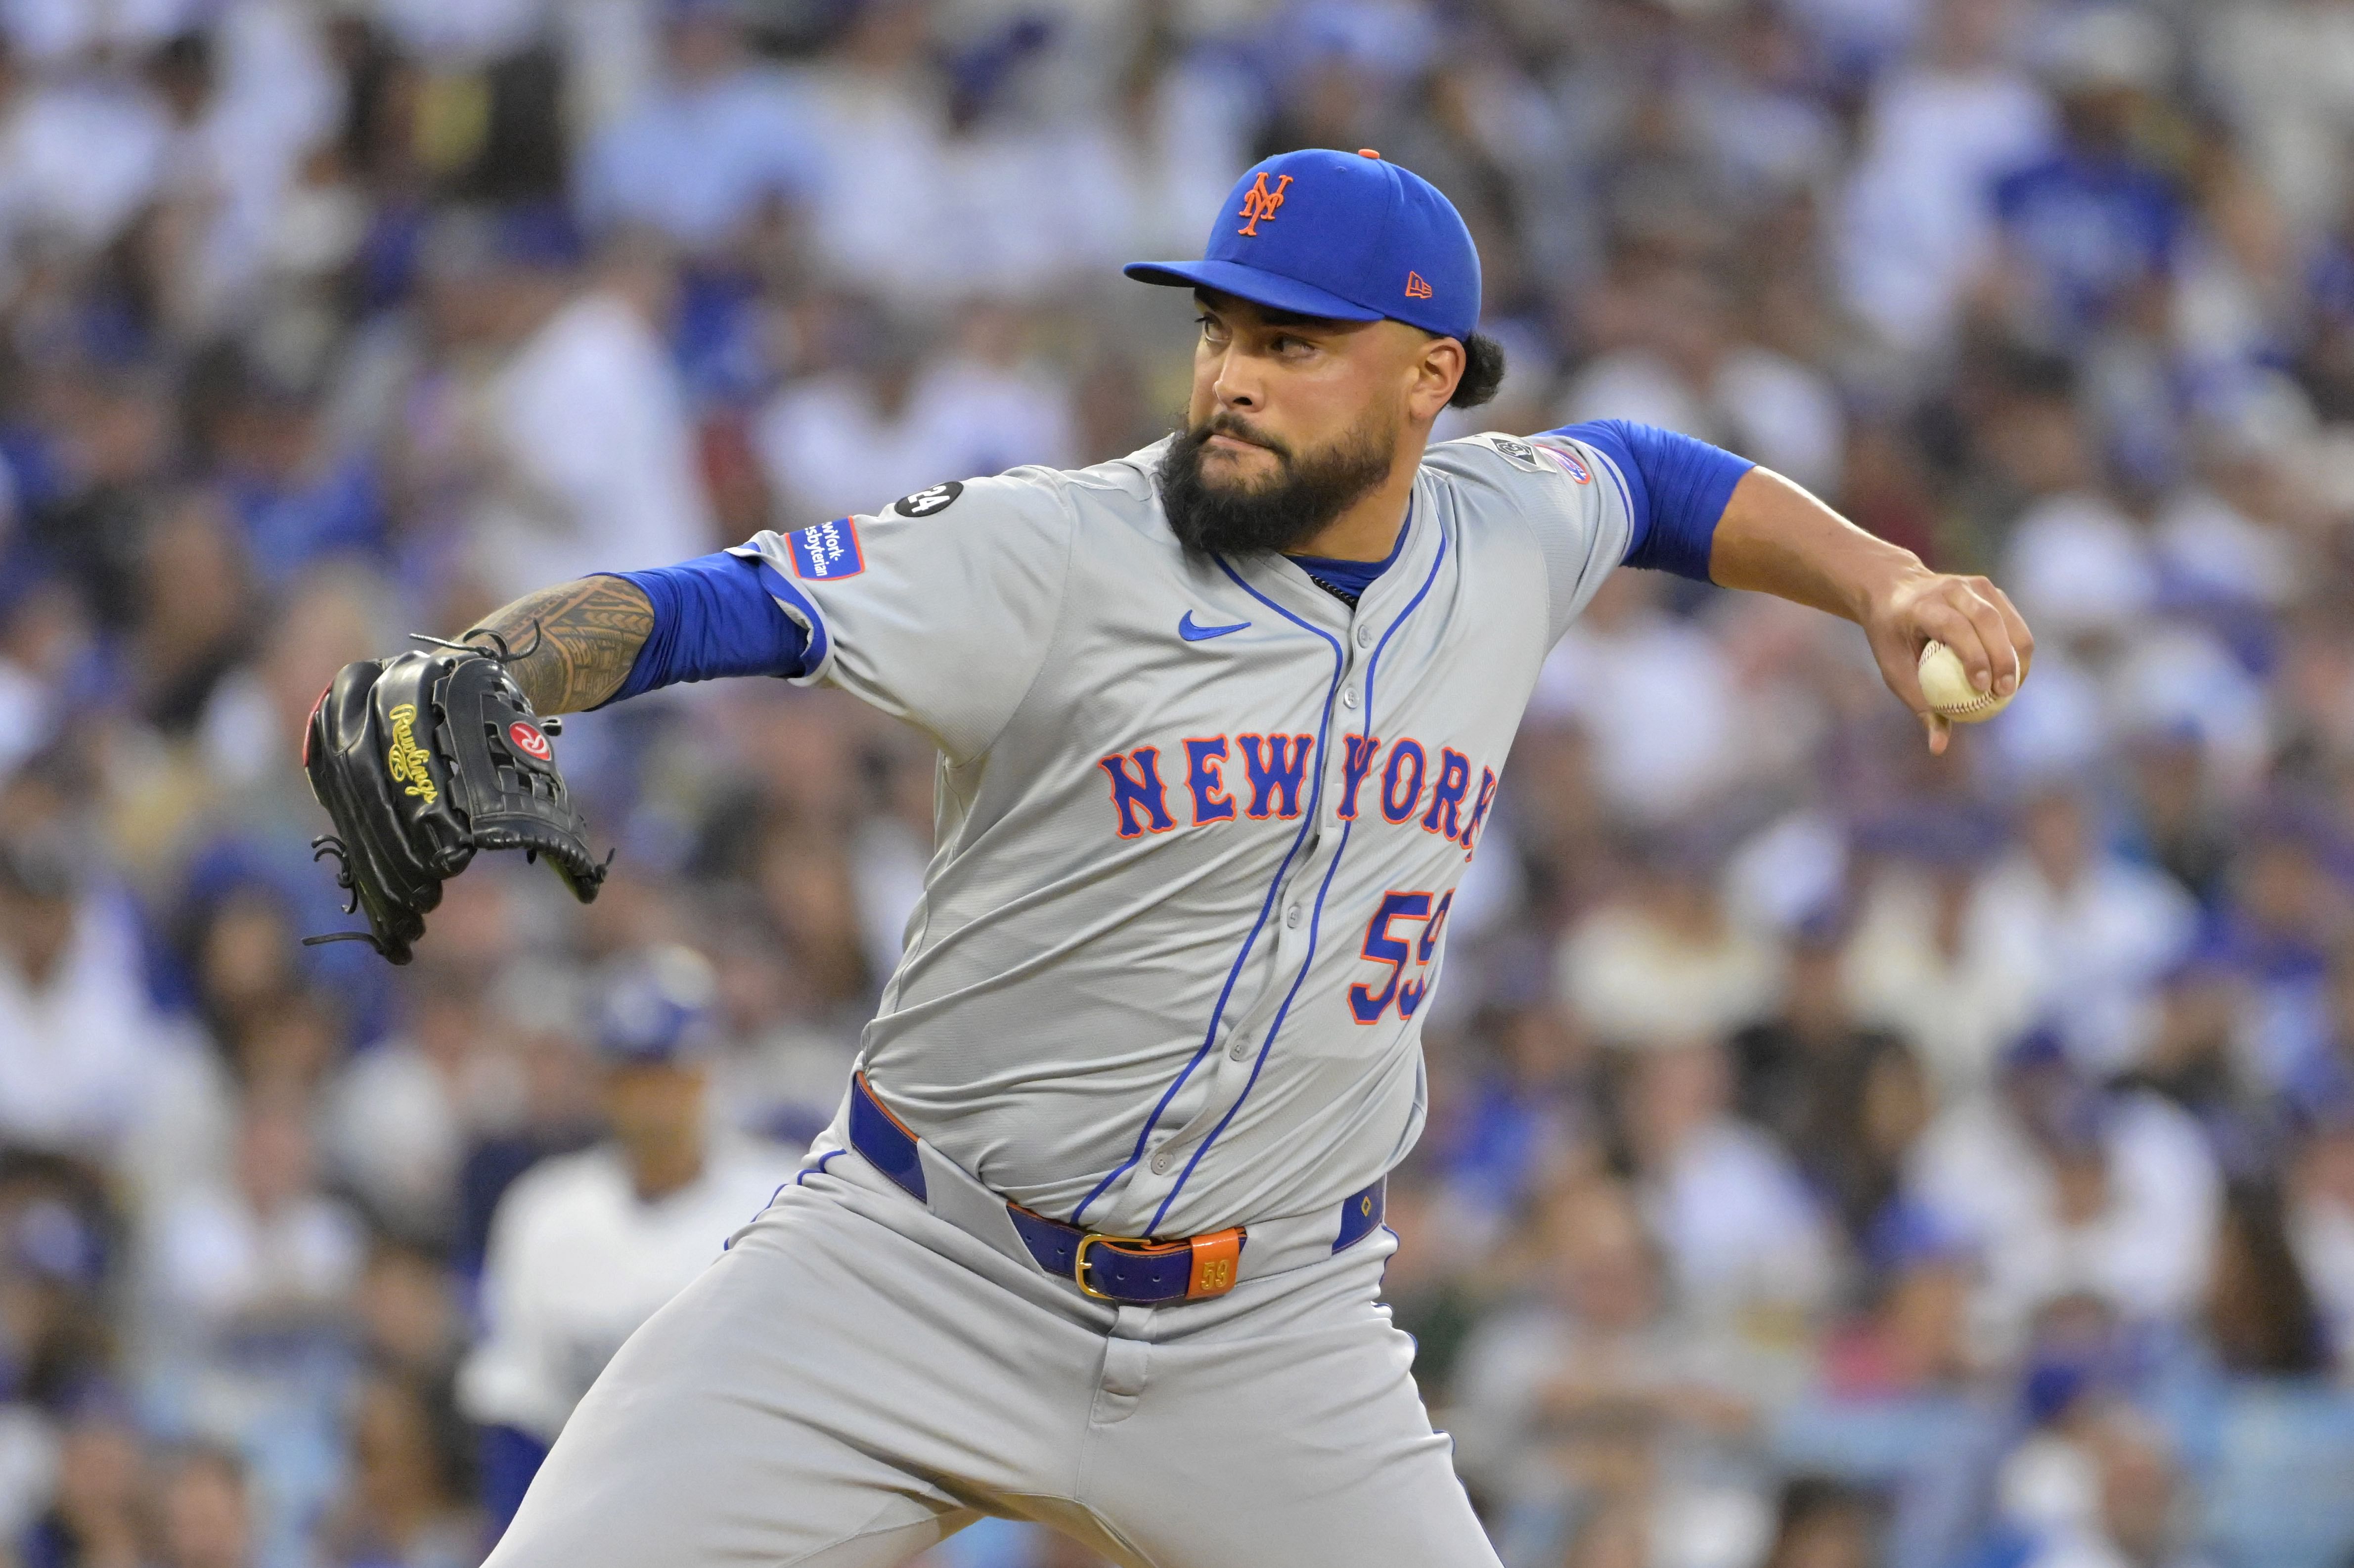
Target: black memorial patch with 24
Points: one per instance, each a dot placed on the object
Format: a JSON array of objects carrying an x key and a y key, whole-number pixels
[{"x": 924, "y": 502}]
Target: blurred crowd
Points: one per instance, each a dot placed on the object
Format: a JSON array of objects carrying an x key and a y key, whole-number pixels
[{"x": 1837, "y": 1157}]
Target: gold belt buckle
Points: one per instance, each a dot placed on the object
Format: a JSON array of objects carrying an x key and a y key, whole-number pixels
[{"x": 1079, "y": 1263}]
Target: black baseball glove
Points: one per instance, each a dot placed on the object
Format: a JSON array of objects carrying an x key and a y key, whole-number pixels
[{"x": 422, "y": 759}]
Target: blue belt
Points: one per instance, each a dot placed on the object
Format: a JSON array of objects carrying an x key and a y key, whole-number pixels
[{"x": 1129, "y": 1270}]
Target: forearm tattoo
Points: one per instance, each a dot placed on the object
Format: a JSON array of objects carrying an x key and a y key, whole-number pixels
[{"x": 589, "y": 633}]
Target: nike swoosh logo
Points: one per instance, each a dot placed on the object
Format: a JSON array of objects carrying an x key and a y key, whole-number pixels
[{"x": 1193, "y": 633}]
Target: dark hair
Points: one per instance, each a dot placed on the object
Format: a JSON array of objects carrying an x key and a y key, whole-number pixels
[
  {"x": 2261, "y": 1313},
  {"x": 1483, "y": 372},
  {"x": 1810, "y": 1500}
]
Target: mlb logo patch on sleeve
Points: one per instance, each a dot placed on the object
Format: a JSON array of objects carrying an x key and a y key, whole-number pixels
[
  {"x": 1520, "y": 455},
  {"x": 827, "y": 552}
]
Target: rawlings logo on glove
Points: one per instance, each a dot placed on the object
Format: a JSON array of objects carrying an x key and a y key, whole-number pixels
[{"x": 406, "y": 759}]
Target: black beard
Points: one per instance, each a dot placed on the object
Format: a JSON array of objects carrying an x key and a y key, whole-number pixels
[{"x": 1272, "y": 515}]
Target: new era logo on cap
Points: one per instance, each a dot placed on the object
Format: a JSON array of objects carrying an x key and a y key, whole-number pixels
[{"x": 1415, "y": 289}]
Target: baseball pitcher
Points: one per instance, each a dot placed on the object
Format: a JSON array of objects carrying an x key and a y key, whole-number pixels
[{"x": 1096, "y": 1238}]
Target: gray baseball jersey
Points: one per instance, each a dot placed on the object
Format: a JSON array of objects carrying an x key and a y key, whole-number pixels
[{"x": 1200, "y": 822}]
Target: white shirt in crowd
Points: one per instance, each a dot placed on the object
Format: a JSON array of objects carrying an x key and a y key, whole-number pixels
[
  {"x": 2147, "y": 1252},
  {"x": 2098, "y": 947},
  {"x": 79, "y": 1055},
  {"x": 1737, "y": 1225},
  {"x": 829, "y": 447},
  {"x": 396, "y": 1125},
  {"x": 696, "y": 160},
  {"x": 1658, "y": 697},
  {"x": 1919, "y": 214},
  {"x": 1636, "y": 981},
  {"x": 215, "y": 1259},
  {"x": 2078, "y": 564},
  {"x": 1961, "y": 1006},
  {"x": 2288, "y": 71},
  {"x": 1766, "y": 405},
  {"x": 578, "y": 1261},
  {"x": 79, "y": 156},
  {"x": 590, "y": 418}
]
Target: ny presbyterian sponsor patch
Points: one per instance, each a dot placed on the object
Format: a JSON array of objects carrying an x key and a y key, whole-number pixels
[
  {"x": 1569, "y": 460},
  {"x": 829, "y": 551}
]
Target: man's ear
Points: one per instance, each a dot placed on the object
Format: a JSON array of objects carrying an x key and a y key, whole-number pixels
[{"x": 1438, "y": 369}]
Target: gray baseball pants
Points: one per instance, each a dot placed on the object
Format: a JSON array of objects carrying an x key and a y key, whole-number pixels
[{"x": 856, "y": 1379}]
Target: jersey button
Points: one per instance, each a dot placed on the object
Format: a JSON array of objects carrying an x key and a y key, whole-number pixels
[
  {"x": 1291, "y": 916},
  {"x": 1365, "y": 636},
  {"x": 1349, "y": 696},
  {"x": 1240, "y": 1051},
  {"x": 1160, "y": 1163}
]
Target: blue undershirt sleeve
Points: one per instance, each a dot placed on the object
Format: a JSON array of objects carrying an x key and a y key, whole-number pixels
[
  {"x": 711, "y": 617},
  {"x": 508, "y": 1458},
  {"x": 1677, "y": 489}
]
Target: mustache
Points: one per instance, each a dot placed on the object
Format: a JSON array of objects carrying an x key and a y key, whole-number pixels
[
  {"x": 1227, "y": 424},
  {"x": 1271, "y": 512}
]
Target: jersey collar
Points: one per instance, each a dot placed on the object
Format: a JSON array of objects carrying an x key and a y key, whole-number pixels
[
  {"x": 1284, "y": 580},
  {"x": 1329, "y": 568}
]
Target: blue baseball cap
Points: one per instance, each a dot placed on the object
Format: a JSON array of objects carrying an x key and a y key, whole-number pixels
[
  {"x": 1344, "y": 235},
  {"x": 655, "y": 1009}
]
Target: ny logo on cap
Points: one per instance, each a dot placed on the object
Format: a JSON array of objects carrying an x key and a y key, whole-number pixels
[{"x": 1261, "y": 202}]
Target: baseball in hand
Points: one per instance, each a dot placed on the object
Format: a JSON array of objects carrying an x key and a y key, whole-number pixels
[{"x": 1946, "y": 686}]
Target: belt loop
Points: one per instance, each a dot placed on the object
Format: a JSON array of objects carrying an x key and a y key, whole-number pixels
[
  {"x": 885, "y": 1140},
  {"x": 1216, "y": 1259},
  {"x": 1361, "y": 1214}
]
